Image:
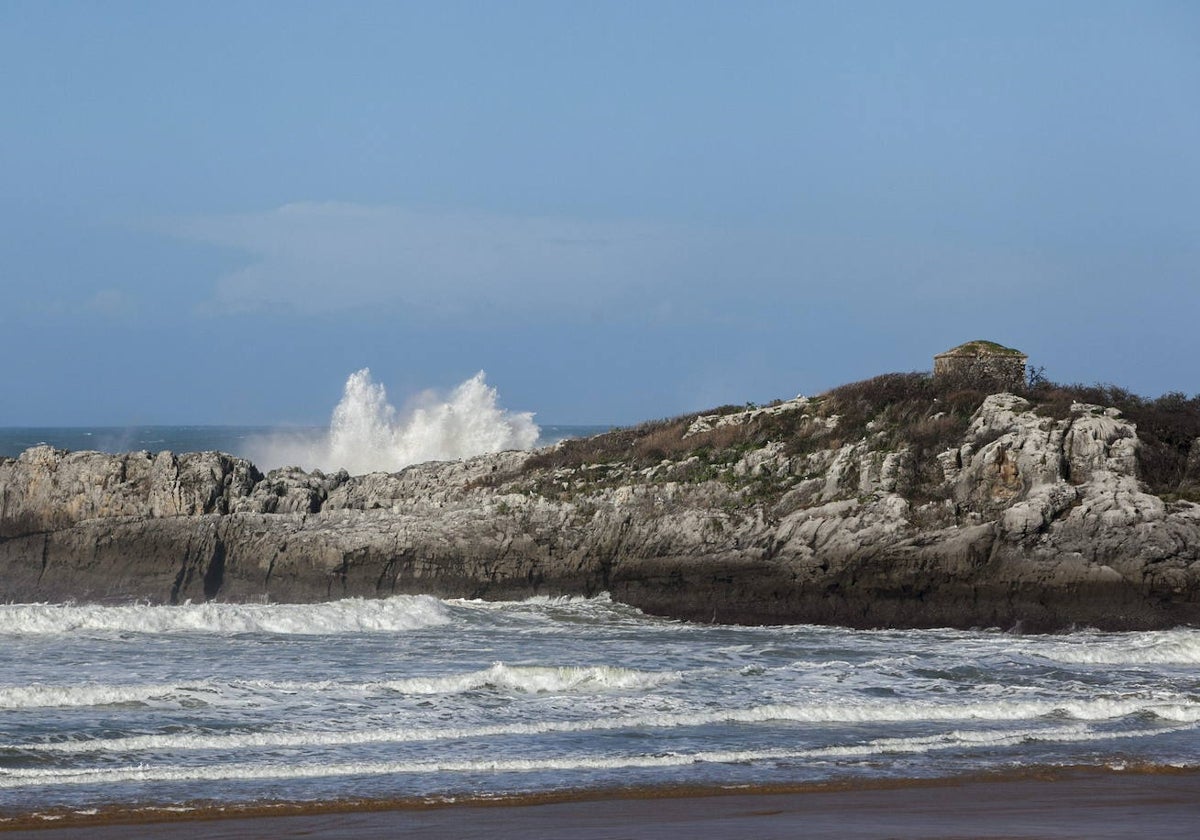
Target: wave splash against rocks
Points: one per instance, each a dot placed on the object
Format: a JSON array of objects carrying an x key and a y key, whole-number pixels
[{"x": 368, "y": 434}]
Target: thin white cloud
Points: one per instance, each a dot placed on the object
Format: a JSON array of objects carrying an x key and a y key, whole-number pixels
[
  {"x": 320, "y": 257},
  {"x": 110, "y": 303},
  {"x": 102, "y": 304}
]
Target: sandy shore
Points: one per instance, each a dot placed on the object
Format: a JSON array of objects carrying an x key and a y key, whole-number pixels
[{"x": 1081, "y": 804}]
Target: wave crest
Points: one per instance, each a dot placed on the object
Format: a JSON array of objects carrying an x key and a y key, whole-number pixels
[
  {"x": 1179, "y": 647},
  {"x": 352, "y": 615}
]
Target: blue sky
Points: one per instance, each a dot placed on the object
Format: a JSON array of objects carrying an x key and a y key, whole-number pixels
[{"x": 215, "y": 212}]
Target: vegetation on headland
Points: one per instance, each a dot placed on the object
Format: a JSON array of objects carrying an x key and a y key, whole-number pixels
[
  {"x": 979, "y": 346},
  {"x": 915, "y": 413}
]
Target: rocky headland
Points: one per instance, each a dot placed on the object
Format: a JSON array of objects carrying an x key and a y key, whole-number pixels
[{"x": 898, "y": 502}]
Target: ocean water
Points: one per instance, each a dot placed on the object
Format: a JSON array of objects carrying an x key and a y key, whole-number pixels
[
  {"x": 232, "y": 439},
  {"x": 414, "y": 697},
  {"x": 243, "y": 441}
]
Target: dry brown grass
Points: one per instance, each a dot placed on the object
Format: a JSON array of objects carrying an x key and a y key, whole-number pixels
[{"x": 897, "y": 410}]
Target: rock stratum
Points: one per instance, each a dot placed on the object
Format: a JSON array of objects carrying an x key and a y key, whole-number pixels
[{"x": 794, "y": 513}]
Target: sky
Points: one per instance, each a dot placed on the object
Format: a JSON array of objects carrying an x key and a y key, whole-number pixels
[{"x": 214, "y": 212}]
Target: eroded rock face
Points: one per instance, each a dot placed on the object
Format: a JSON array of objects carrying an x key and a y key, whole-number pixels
[
  {"x": 290, "y": 490},
  {"x": 1039, "y": 524},
  {"x": 46, "y": 489}
]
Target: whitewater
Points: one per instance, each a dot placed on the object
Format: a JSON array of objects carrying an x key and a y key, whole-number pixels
[
  {"x": 367, "y": 433},
  {"x": 416, "y": 697}
]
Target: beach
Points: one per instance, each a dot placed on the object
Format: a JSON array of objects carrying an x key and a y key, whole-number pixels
[{"x": 1090, "y": 804}]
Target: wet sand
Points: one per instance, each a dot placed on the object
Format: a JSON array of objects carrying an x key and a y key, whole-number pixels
[{"x": 1083, "y": 804}]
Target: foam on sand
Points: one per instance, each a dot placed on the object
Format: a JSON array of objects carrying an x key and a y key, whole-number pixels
[{"x": 34, "y": 777}]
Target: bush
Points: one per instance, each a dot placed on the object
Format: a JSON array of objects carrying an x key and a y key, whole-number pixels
[{"x": 915, "y": 410}]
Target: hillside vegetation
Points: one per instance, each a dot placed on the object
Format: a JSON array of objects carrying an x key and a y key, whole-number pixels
[{"x": 915, "y": 413}]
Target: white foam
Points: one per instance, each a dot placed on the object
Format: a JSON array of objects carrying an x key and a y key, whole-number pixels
[
  {"x": 534, "y": 679},
  {"x": 352, "y": 615},
  {"x": 367, "y": 434},
  {"x": 49, "y": 696},
  {"x": 967, "y": 739},
  {"x": 31, "y": 777},
  {"x": 1164, "y": 647},
  {"x": 602, "y": 599},
  {"x": 1178, "y": 710},
  {"x": 523, "y": 679}
]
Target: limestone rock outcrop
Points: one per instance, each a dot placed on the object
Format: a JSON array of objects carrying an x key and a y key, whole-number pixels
[
  {"x": 47, "y": 489},
  {"x": 1031, "y": 522}
]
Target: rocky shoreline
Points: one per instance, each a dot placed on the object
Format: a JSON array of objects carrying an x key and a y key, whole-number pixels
[{"x": 1033, "y": 523}]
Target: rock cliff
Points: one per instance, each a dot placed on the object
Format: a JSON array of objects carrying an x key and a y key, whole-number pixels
[{"x": 804, "y": 511}]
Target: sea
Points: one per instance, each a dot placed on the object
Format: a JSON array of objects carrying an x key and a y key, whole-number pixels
[
  {"x": 243, "y": 441},
  {"x": 168, "y": 709}
]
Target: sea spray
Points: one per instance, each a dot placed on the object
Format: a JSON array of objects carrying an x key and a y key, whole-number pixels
[{"x": 368, "y": 434}]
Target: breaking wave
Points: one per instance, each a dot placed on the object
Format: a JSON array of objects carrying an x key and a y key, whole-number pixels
[
  {"x": 1177, "y": 714},
  {"x": 517, "y": 679},
  {"x": 368, "y": 434},
  {"x": 353, "y": 615},
  {"x": 1162, "y": 647},
  {"x": 955, "y": 740}
]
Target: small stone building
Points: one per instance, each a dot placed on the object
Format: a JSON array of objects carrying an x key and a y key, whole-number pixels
[{"x": 982, "y": 364}]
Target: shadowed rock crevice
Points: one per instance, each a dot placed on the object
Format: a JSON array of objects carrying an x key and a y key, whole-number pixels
[{"x": 214, "y": 575}]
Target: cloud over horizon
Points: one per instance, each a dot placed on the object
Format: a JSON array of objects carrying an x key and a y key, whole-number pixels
[
  {"x": 309, "y": 258},
  {"x": 316, "y": 257}
]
